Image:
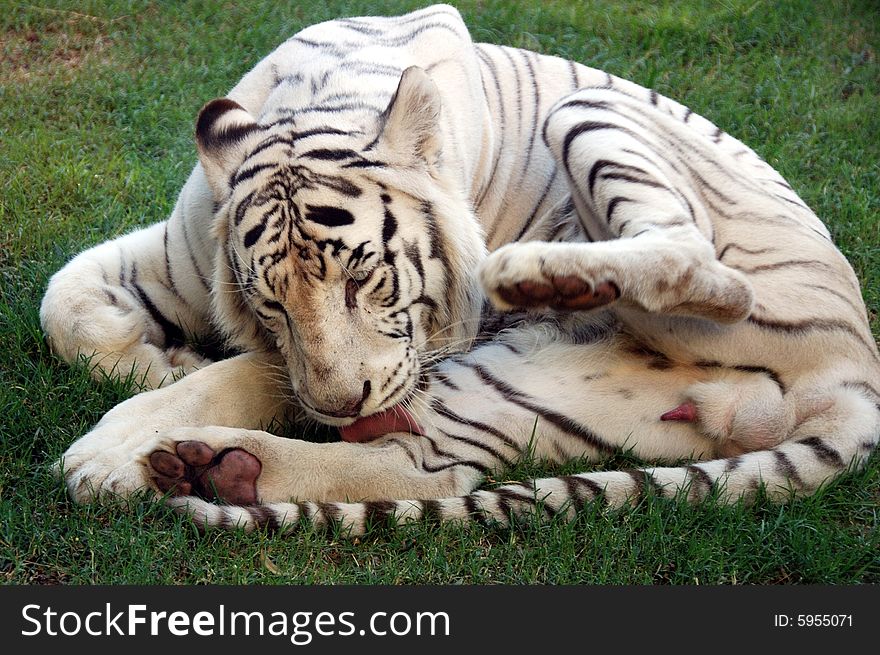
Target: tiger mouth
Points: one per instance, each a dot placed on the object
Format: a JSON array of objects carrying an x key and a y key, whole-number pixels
[{"x": 368, "y": 428}]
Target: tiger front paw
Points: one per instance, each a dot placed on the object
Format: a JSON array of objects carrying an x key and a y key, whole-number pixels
[
  {"x": 103, "y": 463},
  {"x": 193, "y": 468},
  {"x": 114, "y": 461}
]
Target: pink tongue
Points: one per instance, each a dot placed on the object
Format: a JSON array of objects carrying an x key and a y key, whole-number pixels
[{"x": 372, "y": 427}]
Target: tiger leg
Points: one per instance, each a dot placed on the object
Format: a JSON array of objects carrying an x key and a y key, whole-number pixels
[
  {"x": 836, "y": 435},
  {"x": 658, "y": 185},
  {"x": 249, "y": 466},
  {"x": 243, "y": 392},
  {"x": 652, "y": 244},
  {"x": 740, "y": 411},
  {"x": 130, "y": 306}
]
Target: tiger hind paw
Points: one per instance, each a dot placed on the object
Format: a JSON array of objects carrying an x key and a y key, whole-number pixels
[{"x": 515, "y": 277}]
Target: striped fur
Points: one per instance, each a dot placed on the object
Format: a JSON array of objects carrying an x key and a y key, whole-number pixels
[{"x": 364, "y": 190}]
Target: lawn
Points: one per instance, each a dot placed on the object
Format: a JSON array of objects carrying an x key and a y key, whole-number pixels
[{"x": 97, "y": 104}]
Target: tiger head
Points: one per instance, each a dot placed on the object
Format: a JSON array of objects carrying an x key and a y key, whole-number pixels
[{"x": 345, "y": 248}]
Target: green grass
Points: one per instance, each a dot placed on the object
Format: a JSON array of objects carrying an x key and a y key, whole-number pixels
[{"x": 97, "y": 102}]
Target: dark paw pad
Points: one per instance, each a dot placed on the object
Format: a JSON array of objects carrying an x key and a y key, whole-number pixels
[
  {"x": 561, "y": 292},
  {"x": 229, "y": 476}
]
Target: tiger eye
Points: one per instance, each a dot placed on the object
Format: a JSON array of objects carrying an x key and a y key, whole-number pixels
[{"x": 351, "y": 289}]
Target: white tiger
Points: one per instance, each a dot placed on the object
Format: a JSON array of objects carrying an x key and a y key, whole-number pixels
[{"x": 361, "y": 192}]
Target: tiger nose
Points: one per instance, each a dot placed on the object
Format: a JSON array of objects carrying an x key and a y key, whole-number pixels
[{"x": 352, "y": 407}]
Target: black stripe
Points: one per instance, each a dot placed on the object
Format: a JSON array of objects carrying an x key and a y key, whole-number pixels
[
  {"x": 573, "y": 488},
  {"x": 542, "y": 502},
  {"x": 340, "y": 184},
  {"x": 644, "y": 482},
  {"x": 604, "y": 163},
  {"x": 404, "y": 446},
  {"x": 474, "y": 510},
  {"x": 440, "y": 407},
  {"x": 479, "y": 445},
  {"x": 705, "y": 479},
  {"x": 504, "y": 498},
  {"x": 432, "y": 510},
  {"x": 168, "y": 272},
  {"x": 810, "y": 263},
  {"x": 251, "y": 236},
  {"x": 341, "y": 107},
  {"x": 370, "y": 68},
  {"x": 437, "y": 249},
  {"x": 859, "y": 310},
  {"x": 634, "y": 180},
  {"x": 748, "y": 251},
  {"x": 204, "y": 279},
  {"x": 639, "y": 481},
  {"x": 676, "y": 145},
  {"x": 507, "y": 346},
  {"x": 329, "y": 216},
  {"x": 528, "y": 223},
  {"x": 572, "y": 71},
  {"x": 341, "y": 49},
  {"x": 377, "y": 512},
  {"x": 263, "y": 517},
  {"x": 761, "y": 370},
  {"x": 585, "y": 127},
  {"x": 824, "y": 452},
  {"x": 396, "y": 21},
  {"x": 612, "y": 205},
  {"x": 484, "y": 470},
  {"x": 242, "y": 175},
  {"x": 590, "y": 104},
  {"x": 785, "y": 468},
  {"x": 501, "y": 120},
  {"x": 803, "y": 327},
  {"x": 563, "y": 423},
  {"x": 172, "y": 335},
  {"x": 331, "y": 511},
  {"x": 864, "y": 387},
  {"x": 430, "y": 468},
  {"x": 243, "y": 206},
  {"x": 389, "y": 226},
  {"x": 517, "y": 83},
  {"x": 576, "y": 483},
  {"x": 319, "y": 516},
  {"x": 445, "y": 381},
  {"x": 364, "y": 163},
  {"x": 330, "y": 154},
  {"x": 773, "y": 375},
  {"x": 225, "y": 521},
  {"x": 536, "y": 109}
]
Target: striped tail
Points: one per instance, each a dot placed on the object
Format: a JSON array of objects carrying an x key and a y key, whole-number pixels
[{"x": 798, "y": 467}]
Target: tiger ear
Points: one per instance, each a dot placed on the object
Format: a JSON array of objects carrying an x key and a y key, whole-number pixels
[
  {"x": 224, "y": 133},
  {"x": 409, "y": 128}
]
